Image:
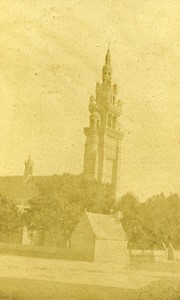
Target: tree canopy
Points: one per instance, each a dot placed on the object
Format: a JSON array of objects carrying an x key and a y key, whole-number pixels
[
  {"x": 63, "y": 199},
  {"x": 151, "y": 223}
]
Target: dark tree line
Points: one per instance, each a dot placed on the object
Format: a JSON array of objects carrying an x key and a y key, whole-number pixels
[
  {"x": 151, "y": 223},
  {"x": 62, "y": 199}
]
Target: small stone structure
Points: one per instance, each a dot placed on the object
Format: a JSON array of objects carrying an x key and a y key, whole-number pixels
[{"x": 99, "y": 238}]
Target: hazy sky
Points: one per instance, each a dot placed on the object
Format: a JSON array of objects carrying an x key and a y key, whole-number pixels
[{"x": 51, "y": 55}]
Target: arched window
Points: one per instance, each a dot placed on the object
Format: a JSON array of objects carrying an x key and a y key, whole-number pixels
[
  {"x": 113, "y": 99},
  {"x": 110, "y": 120},
  {"x": 114, "y": 122}
]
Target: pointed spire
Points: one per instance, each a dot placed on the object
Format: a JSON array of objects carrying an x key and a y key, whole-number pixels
[
  {"x": 107, "y": 69},
  {"x": 108, "y": 56}
]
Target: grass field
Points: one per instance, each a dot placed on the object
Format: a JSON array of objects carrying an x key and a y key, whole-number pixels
[
  {"x": 24, "y": 278},
  {"x": 21, "y": 289}
]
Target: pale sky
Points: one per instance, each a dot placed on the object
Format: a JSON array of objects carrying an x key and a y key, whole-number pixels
[{"x": 51, "y": 56}]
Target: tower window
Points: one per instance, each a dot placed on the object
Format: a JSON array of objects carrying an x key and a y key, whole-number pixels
[
  {"x": 114, "y": 122},
  {"x": 113, "y": 99},
  {"x": 110, "y": 120}
]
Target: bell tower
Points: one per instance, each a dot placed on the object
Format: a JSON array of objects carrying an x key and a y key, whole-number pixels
[{"x": 103, "y": 136}]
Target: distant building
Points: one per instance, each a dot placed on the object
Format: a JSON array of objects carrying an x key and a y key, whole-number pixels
[
  {"x": 103, "y": 136},
  {"x": 99, "y": 238},
  {"x": 21, "y": 189}
]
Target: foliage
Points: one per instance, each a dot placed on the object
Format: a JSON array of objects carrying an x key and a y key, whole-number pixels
[
  {"x": 62, "y": 200},
  {"x": 9, "y": 216},
  {"x": 151, "y": 223},
  {"x": 129, "y": 207},
  {"x": 162, "y": 219}
]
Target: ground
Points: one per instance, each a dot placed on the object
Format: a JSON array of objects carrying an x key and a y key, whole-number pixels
[{"x": 36, "y": 278}]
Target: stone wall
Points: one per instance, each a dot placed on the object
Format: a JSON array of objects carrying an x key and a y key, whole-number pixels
[
  {"x": 147, "y": 255},
  {"x": 177, "y": 255}
]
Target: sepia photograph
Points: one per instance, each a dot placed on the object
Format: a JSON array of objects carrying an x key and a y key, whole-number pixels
[{"x": 90, "y": 150}]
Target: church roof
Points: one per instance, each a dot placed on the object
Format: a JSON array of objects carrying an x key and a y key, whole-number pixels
[
  {"x": 20, "y": 190},
  {"x": 106, "y": 227}
]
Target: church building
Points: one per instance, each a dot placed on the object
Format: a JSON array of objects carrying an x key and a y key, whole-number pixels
[{"x": 102, "y": 148}]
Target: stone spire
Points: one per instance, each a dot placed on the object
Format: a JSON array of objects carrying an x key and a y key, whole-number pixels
[
  {"x": 107, "y": 69},
  {"x": 108, "y": 57}
]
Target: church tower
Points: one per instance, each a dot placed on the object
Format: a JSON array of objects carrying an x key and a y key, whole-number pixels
[{"x": 103, "y": 136}]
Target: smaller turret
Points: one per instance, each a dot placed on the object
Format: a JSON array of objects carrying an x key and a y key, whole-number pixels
[
  {"x": 95, "y": 119},
  {"x": 29, "y": 163},
  {"x": 92, "y": 104}
]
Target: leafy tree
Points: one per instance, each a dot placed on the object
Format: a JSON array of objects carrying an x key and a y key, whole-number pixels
[
  {"x": 162, "y": 219},
  {"x": 151, "y": 223},
  {"x": 129, "y": 206},
  {"x": 61, "y": 202}
]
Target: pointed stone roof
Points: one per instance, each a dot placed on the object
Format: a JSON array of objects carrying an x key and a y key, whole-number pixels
[{"x": 106, "y": 227}]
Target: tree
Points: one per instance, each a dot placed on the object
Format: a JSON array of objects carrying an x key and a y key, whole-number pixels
[
  {"x": 9, "y": 216},
  {"x": 151, "y": 223},
  {"x": 129, "y": 206},
  {"x": 162, "y": 219}
]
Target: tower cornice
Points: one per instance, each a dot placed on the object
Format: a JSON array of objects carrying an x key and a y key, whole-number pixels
[
  {"x": 117, "y": 110},
  {"x": 88, "y": 131},
  {"x": 112, "y": 133}
]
